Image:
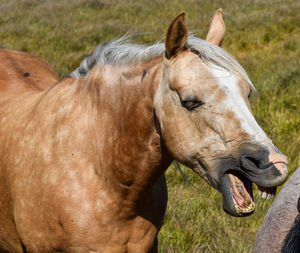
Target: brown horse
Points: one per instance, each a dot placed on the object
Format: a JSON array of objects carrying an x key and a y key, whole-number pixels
[
  {"x": 82, "y": 162},
  {"x": 18, "y": 68}
]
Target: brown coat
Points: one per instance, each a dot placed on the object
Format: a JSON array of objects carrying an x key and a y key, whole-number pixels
[{"x": 52, "y": 177}]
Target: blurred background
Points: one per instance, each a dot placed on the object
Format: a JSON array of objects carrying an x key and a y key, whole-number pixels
[{"x": 264, "y": 37}]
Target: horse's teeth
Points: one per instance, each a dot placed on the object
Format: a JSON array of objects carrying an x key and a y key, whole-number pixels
[
  {"x": 248, "y": 209},
  {"x": 259, "y": 192},
  {"x": 264, "y": 195}
]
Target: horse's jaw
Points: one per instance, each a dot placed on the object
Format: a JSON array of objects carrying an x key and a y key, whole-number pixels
[{"x": 232, "y": 175}]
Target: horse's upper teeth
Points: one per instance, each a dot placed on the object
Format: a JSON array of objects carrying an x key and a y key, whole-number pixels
[{"x": 265, "y": 195}]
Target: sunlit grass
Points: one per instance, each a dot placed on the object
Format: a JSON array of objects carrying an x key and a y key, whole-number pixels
[{"x": 263, "y": 35}]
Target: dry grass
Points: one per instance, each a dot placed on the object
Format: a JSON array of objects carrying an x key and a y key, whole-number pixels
[{"x": 263, "y": 35}]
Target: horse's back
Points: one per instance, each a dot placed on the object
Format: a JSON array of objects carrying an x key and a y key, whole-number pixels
[{"x": 22, "y": 71}]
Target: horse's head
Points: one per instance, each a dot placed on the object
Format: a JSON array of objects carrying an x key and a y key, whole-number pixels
[{"x": 206, "y": 121}]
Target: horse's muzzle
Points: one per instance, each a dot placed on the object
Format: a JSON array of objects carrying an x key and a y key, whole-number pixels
[
  {"x": 263, "y": 168},
  {"x": 255, "y": 164}
]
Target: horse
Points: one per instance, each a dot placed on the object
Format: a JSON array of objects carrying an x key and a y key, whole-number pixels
[
  {"x": 291, "y": 242},
  {"x": 82, "y": 162},
  {"x": 280, "y": 229},
  {"x": 19, "y": 68}
]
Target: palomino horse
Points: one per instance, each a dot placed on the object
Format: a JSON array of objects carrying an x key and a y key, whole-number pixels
[
  {"x": 82, "y": 162},
  {"x": 280, "y": 230},
  {"x": 21, "y": 69}
]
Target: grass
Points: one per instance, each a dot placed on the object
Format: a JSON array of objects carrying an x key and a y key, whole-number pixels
[{"x": 263, "y": 35}]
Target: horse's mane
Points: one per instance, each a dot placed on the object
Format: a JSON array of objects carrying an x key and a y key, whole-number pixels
[
  {"x": 291, "y": 243},
  {"x": 122, "y": 52}
]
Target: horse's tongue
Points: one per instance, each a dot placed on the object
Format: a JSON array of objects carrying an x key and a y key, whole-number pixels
[{"x": 240, "y": 193}]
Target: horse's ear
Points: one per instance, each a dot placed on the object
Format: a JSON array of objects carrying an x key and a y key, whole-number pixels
[
  {"x": 177, "y": 36},
  {"x": 216, "y": 32}
]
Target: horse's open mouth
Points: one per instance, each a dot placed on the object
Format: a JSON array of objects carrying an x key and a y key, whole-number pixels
[
  {"x": 238, "y": 196},
  {"x": 242, "y": 195}
]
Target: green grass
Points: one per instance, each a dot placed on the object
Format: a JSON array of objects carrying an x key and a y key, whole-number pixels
[{"x": 263, "y": 35}]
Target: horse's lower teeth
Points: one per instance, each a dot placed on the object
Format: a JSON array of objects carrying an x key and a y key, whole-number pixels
[{"x": 248, "y": 209}]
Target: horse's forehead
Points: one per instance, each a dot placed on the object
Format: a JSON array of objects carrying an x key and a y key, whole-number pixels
[
  {"x": 231, "y": 84},
  {"x": 189, "y": 70},
  {"x": 187, "y": 61},
  {"x": 192, "y": 75}
]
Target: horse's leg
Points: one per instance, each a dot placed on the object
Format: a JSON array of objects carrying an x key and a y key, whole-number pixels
[
  {"x": 153, "y": 208},
  {"x": 12, "y": 249},
  {"x": 162, "y": 199},
  {"x": 155, "y": 246}
]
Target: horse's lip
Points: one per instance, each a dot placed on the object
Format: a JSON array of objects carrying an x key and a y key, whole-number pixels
[
  {"x": 275, "y": 162},
  {"x": 268, "y": 177}
]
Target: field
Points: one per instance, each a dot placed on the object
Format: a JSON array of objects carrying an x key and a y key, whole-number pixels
[{"x": 264, "y": 37}]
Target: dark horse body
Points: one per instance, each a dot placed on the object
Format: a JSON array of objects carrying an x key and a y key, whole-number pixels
[
  {"x": 82, "y": 159},
  {"x": 291, "y": 242},
  {"x": 280, "y": 230}
]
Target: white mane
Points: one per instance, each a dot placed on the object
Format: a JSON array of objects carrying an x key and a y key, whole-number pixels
[{"x": 121, "y": 52}]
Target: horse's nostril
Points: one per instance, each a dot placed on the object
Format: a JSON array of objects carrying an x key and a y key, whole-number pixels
[
  {"x": 251, "y": 161},
  {"x": 255, "y": 161}
]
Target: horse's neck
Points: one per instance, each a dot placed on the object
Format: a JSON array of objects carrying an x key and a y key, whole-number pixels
[{"x": 131, "y": 154}]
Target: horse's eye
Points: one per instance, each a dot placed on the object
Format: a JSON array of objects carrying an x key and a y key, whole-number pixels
[
  {"x": 191, "y": 104},
  {"x": 249, "y": 93}
]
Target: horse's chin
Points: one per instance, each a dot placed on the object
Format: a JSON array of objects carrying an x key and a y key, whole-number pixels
[{"x": 237, "y": 194}]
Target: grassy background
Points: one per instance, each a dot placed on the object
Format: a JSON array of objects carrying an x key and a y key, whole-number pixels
[{"x": 263, "y": 35}]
